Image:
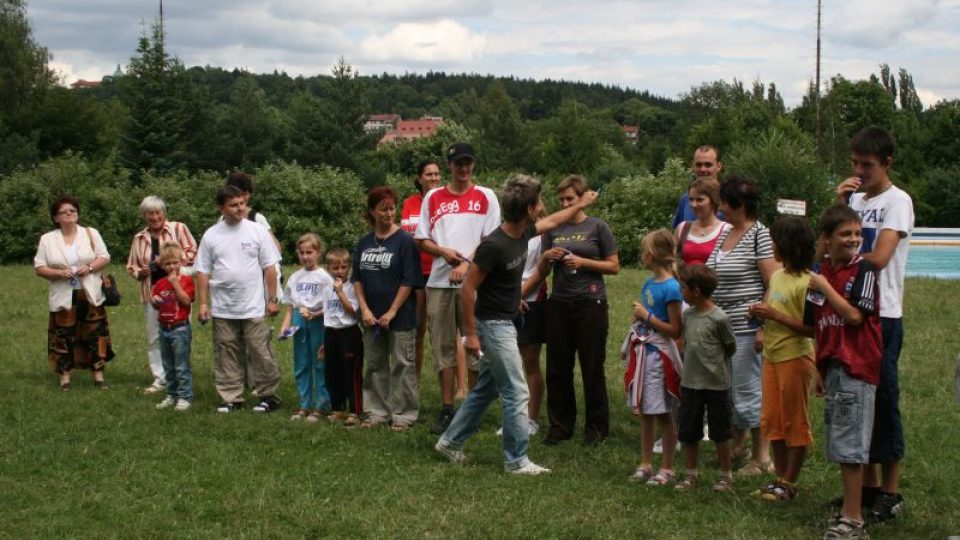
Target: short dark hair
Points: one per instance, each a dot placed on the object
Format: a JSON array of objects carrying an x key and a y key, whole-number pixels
[
  {"x": 795, "y": 242},
  {"x": 519, "y": 194},
  {"x": 873, "y": 141},
  {"x": 422, "y": 166},
  {"x": 833, "y": 217},
  {"x": 700, "y": 277},
  {"x": 738, "y": 192},
  {"x": 375, "y": 196},
  {"x": 241, "y": 180},
  {"x": 227, "y": 192},
  {"x": 62, "y": 200}
]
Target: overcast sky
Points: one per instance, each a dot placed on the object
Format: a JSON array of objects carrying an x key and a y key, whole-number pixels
[{"x": 664, "y": 46}]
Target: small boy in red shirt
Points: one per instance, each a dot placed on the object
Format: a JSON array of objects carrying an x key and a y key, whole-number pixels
[{"x": 172, "y": 297}]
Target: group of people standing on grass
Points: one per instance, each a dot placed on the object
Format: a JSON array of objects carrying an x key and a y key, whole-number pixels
[{"x": 470, "y": 268}]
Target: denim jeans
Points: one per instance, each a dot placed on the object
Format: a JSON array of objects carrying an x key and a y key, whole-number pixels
[
  {"x": 745, "y": 382},
  {"x": 500, "y": 374},
  {"x": 308, "y": 369},
  {"x": 175, "y": 352}
]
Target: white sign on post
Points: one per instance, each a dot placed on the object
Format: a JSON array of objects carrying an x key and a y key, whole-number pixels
[{"x": 792, "y": 207}]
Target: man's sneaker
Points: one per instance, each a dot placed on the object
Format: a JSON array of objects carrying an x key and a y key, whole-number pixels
[
  {"x": 266, "y": 405},
  {"x": 168, "y": 401},
  {"x": 526, "y": 468},
  {"x": 182, "y": 405},
  {"x": 456, "y": 456},
  {"x": 155, "y": 388},
  {"x": 886, "y": 507},
  {"x": 442, "y": 423},
  {"x": 846, "y": 529},
  {"x": 229, "y": 407}
]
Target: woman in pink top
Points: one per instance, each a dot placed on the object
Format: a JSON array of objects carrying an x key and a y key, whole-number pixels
[
  {"x": 428, "y": 177},
  {"x": 695, "y": 239}
]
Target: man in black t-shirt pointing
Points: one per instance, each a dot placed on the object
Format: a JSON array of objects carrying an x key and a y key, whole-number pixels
[{"x": 490, "y": 297}]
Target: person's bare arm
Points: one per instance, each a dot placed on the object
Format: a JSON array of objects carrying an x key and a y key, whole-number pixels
[
  {"x": 849, "y": 312},
  {"x": 884, "y": 248},
  {"x": 402, "y": 294},
  {"x": 203, "y": 291},
  {"x": 468, "y": 299}
]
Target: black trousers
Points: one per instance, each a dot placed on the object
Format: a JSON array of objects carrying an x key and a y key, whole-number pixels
[
  {"x": 577, "y": 328},
  {"x": 343, "y": 354}
]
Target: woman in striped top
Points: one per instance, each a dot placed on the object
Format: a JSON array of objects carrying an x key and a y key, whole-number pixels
[{"x": 743, "y": 260}]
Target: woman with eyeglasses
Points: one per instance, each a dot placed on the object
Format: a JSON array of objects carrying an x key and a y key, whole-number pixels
[{"x": 71, "y": 258}]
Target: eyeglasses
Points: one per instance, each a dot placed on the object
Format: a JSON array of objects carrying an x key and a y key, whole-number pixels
[{"x": 67, "y": 211}]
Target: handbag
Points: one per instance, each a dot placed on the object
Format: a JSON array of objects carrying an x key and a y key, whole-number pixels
[{"x": 111, "y": 294}]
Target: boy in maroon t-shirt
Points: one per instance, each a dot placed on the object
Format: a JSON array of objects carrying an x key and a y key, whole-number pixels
[
  {"x": 172, "y": 297},
  {"x": 843, "y": 309}
]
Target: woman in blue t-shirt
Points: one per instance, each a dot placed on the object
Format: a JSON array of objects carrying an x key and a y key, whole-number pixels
[{"x": 386, "y": 270}]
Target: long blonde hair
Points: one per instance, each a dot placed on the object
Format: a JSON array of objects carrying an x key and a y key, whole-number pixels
[{"x": 662, "y": 247}]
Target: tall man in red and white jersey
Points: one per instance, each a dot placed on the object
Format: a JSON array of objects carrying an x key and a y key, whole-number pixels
[{"x": 453, "y": 220}]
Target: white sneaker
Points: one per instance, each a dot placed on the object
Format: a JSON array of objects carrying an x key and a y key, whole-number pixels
[
  {"x": 456, "y": 456},
  {"x": 658, "y": 446},
  {"x": 154, "y": 388},
  {"x": 526, "y": 468},
  {"x": 168, "y": 401},
  {"x": 706, "y": 433},
  {"x": 182, "y": 405}
]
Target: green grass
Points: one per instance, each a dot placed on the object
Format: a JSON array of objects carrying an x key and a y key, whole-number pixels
[{"x": 106, "y": 464}]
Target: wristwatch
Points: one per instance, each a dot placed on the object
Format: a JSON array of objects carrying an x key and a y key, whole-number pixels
[{"x": 274, "y": 299}]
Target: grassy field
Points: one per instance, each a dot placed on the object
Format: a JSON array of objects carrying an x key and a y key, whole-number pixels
[{"x": 94, "y": 463}]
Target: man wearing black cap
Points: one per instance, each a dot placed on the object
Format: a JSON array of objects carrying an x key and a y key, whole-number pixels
[{"x": 453, "y": 220}]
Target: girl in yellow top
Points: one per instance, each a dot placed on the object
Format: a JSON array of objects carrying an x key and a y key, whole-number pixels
[{"x": 788, "y": 367}]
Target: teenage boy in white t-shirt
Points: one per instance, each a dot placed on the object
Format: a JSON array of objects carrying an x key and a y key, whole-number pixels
[
  {"x": 453, "y": 220},
  {"x": 236, "y": 260},
  {"x": 887, "y": 215}
]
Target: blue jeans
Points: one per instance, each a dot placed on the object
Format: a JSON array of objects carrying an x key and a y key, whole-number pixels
[
  {"x": 309, "y": 370},
  {"x": 888, "y": 444},
  {"x": 175, "y": 355},
  {"x": 500, "y": 374},
  {"x": 745, "y": 382}
]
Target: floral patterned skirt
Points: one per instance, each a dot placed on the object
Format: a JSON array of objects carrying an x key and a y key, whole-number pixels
[{"x": 79, "y": 337}]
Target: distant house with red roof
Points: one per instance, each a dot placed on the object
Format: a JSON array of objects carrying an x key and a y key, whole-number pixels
[
  {"x": 81, "y": 83},
  {"x": 380, "y": 122},
  {"x": 413, "y": 129},
  {"x": 631, "y": 134}
]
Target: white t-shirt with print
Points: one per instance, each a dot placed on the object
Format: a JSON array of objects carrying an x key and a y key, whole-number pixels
[
  {"x": 892, "y": 209},
  {"x": 305, "y": 287},
  {"x": 235, "y": 256},
  {"x": 334, "y": 316},
  {"x": 458, "y": 222}
]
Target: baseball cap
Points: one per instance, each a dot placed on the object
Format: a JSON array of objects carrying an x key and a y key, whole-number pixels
[{"x": 460, "y": 150}]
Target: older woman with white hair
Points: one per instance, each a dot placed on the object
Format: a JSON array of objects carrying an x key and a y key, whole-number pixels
[{"x": 142, "y": 265}]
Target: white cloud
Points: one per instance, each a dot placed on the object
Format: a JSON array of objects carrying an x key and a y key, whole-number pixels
[{"x": 441, "y": 42}]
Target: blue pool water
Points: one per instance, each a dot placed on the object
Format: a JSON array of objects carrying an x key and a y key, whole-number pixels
[{"x": 934, "y": 261}]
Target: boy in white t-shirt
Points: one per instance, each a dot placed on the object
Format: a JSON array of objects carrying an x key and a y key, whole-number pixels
[
  {"x": 343, "y": 350},
  {"x": 886, "y": 212},
  {"x": 236, "y": 260},
  {"x": 303, "y": 296}
]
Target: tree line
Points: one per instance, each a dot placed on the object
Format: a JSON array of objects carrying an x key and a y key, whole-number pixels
[{"x": 160, "y": 119}]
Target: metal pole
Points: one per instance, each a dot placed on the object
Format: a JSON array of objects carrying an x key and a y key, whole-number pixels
[{"x": 816, "y": 94}]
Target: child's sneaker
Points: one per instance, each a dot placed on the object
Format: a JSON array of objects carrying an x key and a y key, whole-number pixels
[
  {"x": 724, "y": 485},
  {"x": 168, "y": 401},
  {"x": 182, "y": 405},
  {"x": 886, "y": 507},
  {"x": 779, "y": 490},
  {"x": 297, "y": 415},
  {"x": 846, "y": 529}
]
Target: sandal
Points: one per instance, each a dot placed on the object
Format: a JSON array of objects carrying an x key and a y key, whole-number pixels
[
  {"x": 371, "y": 423},
  {"x": 755, "y": 468},
  {"x": 846, "y": 528},
  {"x": 400, "y": 426},
  {"x": 299, "y": 414},
  {"x": 641, "y": 474},
  {"x": 689, "y": 482},
  {"x": 662, "y": 478},
  {"x": 724, "y": 485},
  {"x": 65, "y": 386},
  {"x": 351, "y": 420}
]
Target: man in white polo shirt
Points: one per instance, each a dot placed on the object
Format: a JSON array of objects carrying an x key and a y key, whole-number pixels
[
  {"x": 453, "y": 220},
  {"x": 237, "y": 258}
]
